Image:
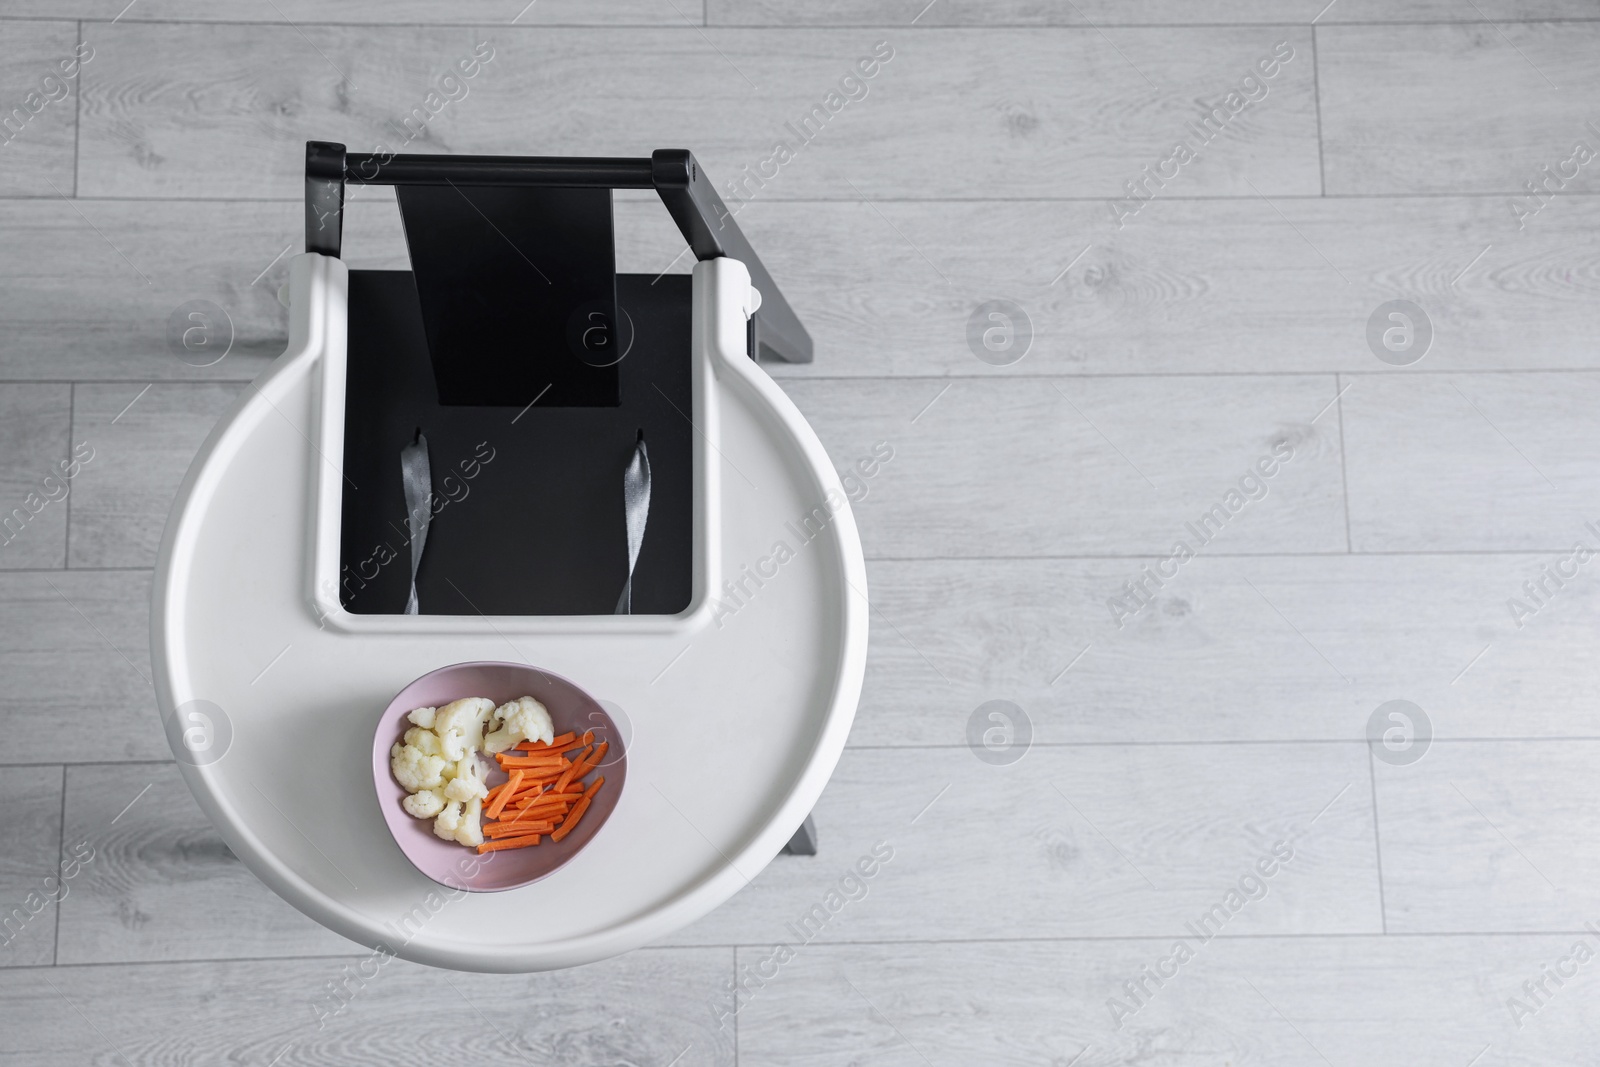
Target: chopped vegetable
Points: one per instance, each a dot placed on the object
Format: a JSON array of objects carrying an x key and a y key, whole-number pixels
[
  {"x": 505, "y": 792},
  {"x": 509, "y": 842}
]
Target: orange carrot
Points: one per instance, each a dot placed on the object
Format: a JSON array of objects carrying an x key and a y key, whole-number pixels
[
  {"x": 518, "y": 829},
  {"x": 530, "y": 757},
  {"x": 555, "y": 804},
  {"x": 509, "y": 842},
  {"x": 541, "y": 763},
  {"x": 528, "y": 800},
  {"x": 493, "y": 810},
  {"x": 594, "y": 787},
  {"x": 593, "y": 759},
  {"x": 524, "y": 814},
  {"x": 557, "y": 743},
  {"x": 571, "y": 772},
  {"x": 588, "y": 737},
  {"x": 571, "y": 820}
]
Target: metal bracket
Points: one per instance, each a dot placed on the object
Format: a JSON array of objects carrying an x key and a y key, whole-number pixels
[
  {"x": 804, "y": 841},
  {"x": 706, "y": 223}
]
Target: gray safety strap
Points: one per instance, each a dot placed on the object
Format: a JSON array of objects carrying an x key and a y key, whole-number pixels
[
  {"x": 417, "y": 479},
  {"x": 636, "y": 507}
]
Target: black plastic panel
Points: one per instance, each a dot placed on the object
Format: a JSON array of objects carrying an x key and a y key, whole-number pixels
[
  {"x": 538, "y": 527},
  {"x": 518, "y": 292}
]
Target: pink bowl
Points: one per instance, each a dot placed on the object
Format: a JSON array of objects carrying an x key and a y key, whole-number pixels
[{"x": 459, "y": 866}]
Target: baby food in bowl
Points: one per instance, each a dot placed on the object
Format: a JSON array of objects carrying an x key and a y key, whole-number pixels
[{"x": 494, "y": 775}]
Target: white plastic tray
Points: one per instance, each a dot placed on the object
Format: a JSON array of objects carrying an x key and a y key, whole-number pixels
[{"x": 245, "y": 616}]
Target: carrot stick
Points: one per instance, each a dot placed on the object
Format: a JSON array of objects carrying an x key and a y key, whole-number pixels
[
  {"x": 530, "y": 757},
  {"x": 571, "y": 772},
  {"x": 593, "y": 760},
  {"x": 558, "y": 742},
  {"x": 527, "y": 815},
  {"x": 540, "y": 763},
  {"x": 558, "y": 805},
  {"x": 570, "y": 821},
  {"x": 537, "y": 799},
  {"x": 493, "y": 810},
  {"x": 537, "y": 793},
  {"x": 509, "y": 842},
  {"x": 594, "y": 787},
  {"x": 518, "y": 829}
]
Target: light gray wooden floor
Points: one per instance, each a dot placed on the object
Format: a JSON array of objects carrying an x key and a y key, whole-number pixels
[{"x": 1425, "y": 901}]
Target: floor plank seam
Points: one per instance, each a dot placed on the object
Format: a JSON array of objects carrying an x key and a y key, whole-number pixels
[
  {"x": 1377, "y": 840},
  {"x": 77, "y": 114},
  {"x": 1196, "y": 198},
  {"x": 1316, "y": 96},
  {"x": 811, "y": 26},
  {"x": 72, "y": 415},
  {"x": 870, "y": 943},
  {"x": 1344, "y": 466},
  {"x": 61, "y": 849}
]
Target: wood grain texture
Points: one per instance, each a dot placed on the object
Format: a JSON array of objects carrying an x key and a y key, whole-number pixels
[
  {"x": 39, "y": 108},
  {"x": 641, "y": 1009},
  {"x": 30, "y": 884},
  {"x": 143, "y": 445},
  {"x": 1212, "y": 659},
  {"x": 377, "y": 12},
  {"x": 34, "y": 423},
  {"x": 87, "y": 289},
  {"x": 1491, "y": 837},
  {"x": 162, "y": 885},
  {"x": 1016, "y": 448},
  {"x": 1017, "y": 467},
  {"x": 1184, "y": 286},
  {"x": 1451, "y": 109},
  {"x": 1033, "y": 114},
  {"x": 1112, "y": 13},
  {"x": 1273, "y": 1001},
  {"x": 1102, "y": 841},
  {"x": 1471, "y": 462},
  {"x": 75, "y": 648}
]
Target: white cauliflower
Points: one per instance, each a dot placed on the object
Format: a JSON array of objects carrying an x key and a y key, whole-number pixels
[
  {"x": 415, "y": 768},
  {"x": 460, "y": 824},
  {"x": 449, "y": 821},
  {"x": 523, "y": 719},
  {"x": 424, "y": 804},
  {"x": 459, "y": 725},
  {"x": 466, "y": 781},
  {"x": 437, "y": 760},
  {"x": 423, "y": 740}
]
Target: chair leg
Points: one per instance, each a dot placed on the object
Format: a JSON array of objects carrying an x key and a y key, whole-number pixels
[{"x": 804, "y": 841}]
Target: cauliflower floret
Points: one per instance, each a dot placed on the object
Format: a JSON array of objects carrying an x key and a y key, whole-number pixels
[
  {"x": 415, "y": 769},
  {"x": 424, "y": 740},
  {"x": 466, "y": 780},
  {"x": 470, "y": 832},
  {"x": 423, "y": 804},
  {"x": 459, "y": 824},
  {"x": 459, "y": 725},
  {"x": 437, "y": 762},
  {"x": 449, "y": 821},
  {"x": 523, "y": 719}
]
